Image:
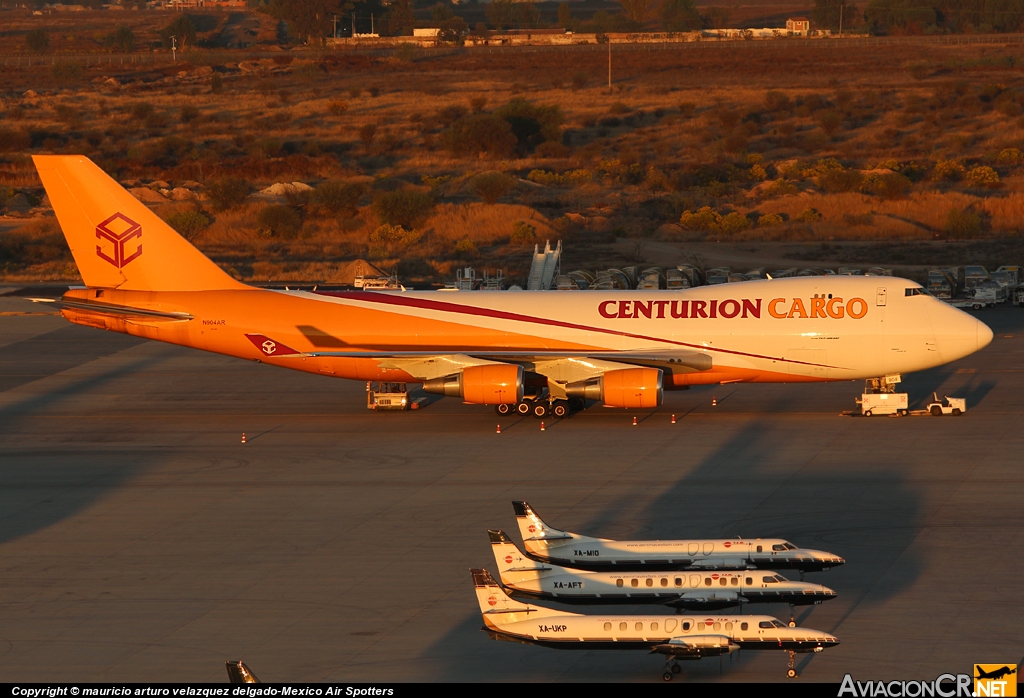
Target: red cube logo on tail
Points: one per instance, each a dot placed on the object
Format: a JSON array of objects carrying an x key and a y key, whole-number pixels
[{"x": 116, "y": 234}]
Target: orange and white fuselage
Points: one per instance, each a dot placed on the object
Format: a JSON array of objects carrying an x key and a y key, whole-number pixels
[{"x": 620, "y": 347}]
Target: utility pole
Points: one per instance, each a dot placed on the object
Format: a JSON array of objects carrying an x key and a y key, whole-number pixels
[
  {"x": 353, "y": 25},
  {"x": 841, "y": 7},
  {"x": 174, "y": 48},
  {"x": 609, "y": 64},
  {"x": 371, "y": 23},
  {"x": 335, "y": 26}
]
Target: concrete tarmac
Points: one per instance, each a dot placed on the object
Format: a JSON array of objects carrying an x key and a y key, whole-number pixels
[{"x": 140, "y": 540}]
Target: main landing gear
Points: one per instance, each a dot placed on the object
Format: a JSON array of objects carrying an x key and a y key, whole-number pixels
[
  {"x": 671, "y": 667},
  {"x": 791, "y": 672},
  {"x": 542, "y": 407}
]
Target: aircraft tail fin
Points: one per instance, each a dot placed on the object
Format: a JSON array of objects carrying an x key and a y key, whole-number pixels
[
  {"x": 238, "y": 672},
  {"x": 498, "y": 608},
  {"x": 538, "y": 537},
  {"x": 117, "y": 242},
  {"x": 513, "y": 565}
]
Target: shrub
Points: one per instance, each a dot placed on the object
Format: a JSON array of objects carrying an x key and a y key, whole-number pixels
[
  {"x": 962, "y": 224},
  {"x": 337, "y": 197},
  {"x": 477, "y": 104},
  {"x": 337, "y": 107},
  {"x": 388, "y": 239},
  {"x": 950, "y": 170},
  {"x": 189, "y": 113},
  {"x": 182, "y": 30},
  {"x": 374, "y": 91},
  {"x": 566, "y": 180},
  {"x": 769, "y": 219},
  {"x": 780, "y": 187},
  {"x": 354, "y": 92},
  {"x": 465, "y": 248},
  {"x": 122, "y": 39},
  {"x": 704, "y": 219},
  {"x": 216, "y": 83},
  {"x": 733, "y": 223},
  {"x": 758, "y": 173},
  {"x": 892, "y": 186},
  {"x": 552, "y": 149},
  {"x": 1010, "y": 156},
  {"x": 406, "y": 207},
  {"x": 66, "y": 71},
  {"x": 830, "y": 120},
  {"x": 480, "y": 135},
  {"x": 531, "y": 123},
  {"x": 280, "y": 220},
  {"x": 367, "y": 133},
  {"x": 491, "y": 186},
  {"x": 37, "y": 41},
  {"x": 141, "y": 111},
  {"x": 809, "y": 215},
  {"x": 776, "y": 101},
  {"x": 13, "y": 141},
  {"x": 836, "y": 181},
  {"x": 524, "y": 234},
  {"x": 227, "y": 192},
  {"x": 189, "y": 223},
  {"x": 983, "y": 176}
]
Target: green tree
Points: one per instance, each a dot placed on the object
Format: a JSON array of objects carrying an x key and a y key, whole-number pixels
[
  {"x": 441, "y": 12},
  {"x": 121, "y": 39},
  {"x": 680, "y": 16},
  {"x": 398, "y": 19},
  {"x": 311, "y": 20},
  {"x": 38, "y": 41},
  {"x": 453, "y": 31},
  {"x": 532, "y": 123},
  {"x": 827, "y": 13},
  {"x": 899, "y": 16},
  {"x": 717, "y": 17},
  {"x": 502, "y": 13},
  {"x": 480, "y": 135},
  {"x": 182, "y": 30},
  {"x": 636, "y": 10},
  {"x": 564, "y": 16},
  {"x": 527, "y": 14}
]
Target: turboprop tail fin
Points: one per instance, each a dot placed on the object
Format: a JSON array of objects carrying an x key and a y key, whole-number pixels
[
  {"x": 117, "y": 242},
  {"x": 498, "y": 608},
  {"x": 534, "y": 530},
  {"x": 513, "y": 565}
]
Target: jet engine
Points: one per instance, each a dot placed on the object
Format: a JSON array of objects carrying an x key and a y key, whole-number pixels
[
  {"x": 627, "y": 387},
  {"x": 490, "y": 384}
]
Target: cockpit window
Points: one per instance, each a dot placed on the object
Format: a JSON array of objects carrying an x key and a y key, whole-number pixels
[
  {"x": 779, "y": 546},
  {"x": 780, "y": 578},
  {"x": 913, "y": 291},
  {"x": 768, "y": 579},
  {"x": 765, "y": 624},
  {"x": 778, "y": 624}
]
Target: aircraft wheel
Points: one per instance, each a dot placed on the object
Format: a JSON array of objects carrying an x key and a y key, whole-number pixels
[
  {"x": 577, "y": 403},
  {"x": 867, "y": 413},
  {"x": 976, "y": 306},
  {"x": 667, "y": 676},
  {"x": 560, "y": 408},
  {"x": 792, "y": 623},
  {"x": 540, "y": 410},
  {"x": 902, "y": 413},
  {"x": 936, "y": 411},
  {"x": 957, "y": 412},
  {"x": 792, "y": 674},
  {"x": 676, "y": 668},
  {"x": 524, "y": 407},
  {"x": 503, "y": 409}
]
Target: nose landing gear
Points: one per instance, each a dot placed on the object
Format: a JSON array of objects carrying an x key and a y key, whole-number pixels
[
  {"x": 671, "y": 667},
  {"x": 791, "y": 672}
]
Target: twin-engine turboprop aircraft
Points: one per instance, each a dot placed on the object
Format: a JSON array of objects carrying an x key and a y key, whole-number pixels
[
  {"x": 547, "y": 544},
  {"x": 622, "y": 348},
  {"x": 699, "y": 591},
  {"x": 677, "y": 638}
]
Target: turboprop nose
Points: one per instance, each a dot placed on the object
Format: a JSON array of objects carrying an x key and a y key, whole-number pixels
[{"x": 984, "y": 334}]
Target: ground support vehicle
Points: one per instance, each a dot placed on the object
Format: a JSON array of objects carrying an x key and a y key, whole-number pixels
[
  {"x": 387, "y": 396},
  {"x": 955, "y": 406},
  {"x": 883, "y": 403}
]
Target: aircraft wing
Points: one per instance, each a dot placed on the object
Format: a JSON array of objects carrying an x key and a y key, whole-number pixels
[{"x": 696, "y": 646}]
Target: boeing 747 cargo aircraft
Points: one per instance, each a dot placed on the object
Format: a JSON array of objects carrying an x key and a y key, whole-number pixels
[{"x": 621, "y": 348}]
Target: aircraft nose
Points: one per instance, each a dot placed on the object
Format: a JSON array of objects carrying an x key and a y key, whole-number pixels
[{"x": 984, "y": 333}]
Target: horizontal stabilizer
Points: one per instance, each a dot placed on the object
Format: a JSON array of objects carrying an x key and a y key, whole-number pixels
[{"x": 111, "y": 309}]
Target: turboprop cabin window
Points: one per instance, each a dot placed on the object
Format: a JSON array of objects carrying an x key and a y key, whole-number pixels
[
  {"x": 679, "y": 581},
  {"x": 618, "y": 582},
  {"x": 749, "y": 581},
  {"x": 638, "y": 627},
  {"x": 634, "y": 582},
  {"x": 744, "y": 626},
  {"x": 723, "y": 581},
  {"x": 607, "y": 626},
  {"x": 664, "y": 582},
  {"x": 707, "y": 581},
  {"x": 622, "y": 625},
  {"x": 735, "y": 581},
  {"x": 759, "y": 548},
  {"x": 650, "y": 582},
  {"x": 654, "y": 626}
]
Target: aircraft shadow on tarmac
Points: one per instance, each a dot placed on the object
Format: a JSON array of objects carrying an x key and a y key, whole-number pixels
[
  {"x": 732, "y": 492},
  {"x": 41, "y": 500}
]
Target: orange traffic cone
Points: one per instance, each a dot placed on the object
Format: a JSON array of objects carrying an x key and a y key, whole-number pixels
[
  {"x": 498, "y": 430},
  {"x": 542, "y": 426},
  {"x": 634, "y": 421},
  {"x": 243, "y": 437},
  {"x": 714, "y": 402},
  {"x": 673, "y": 419}
]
